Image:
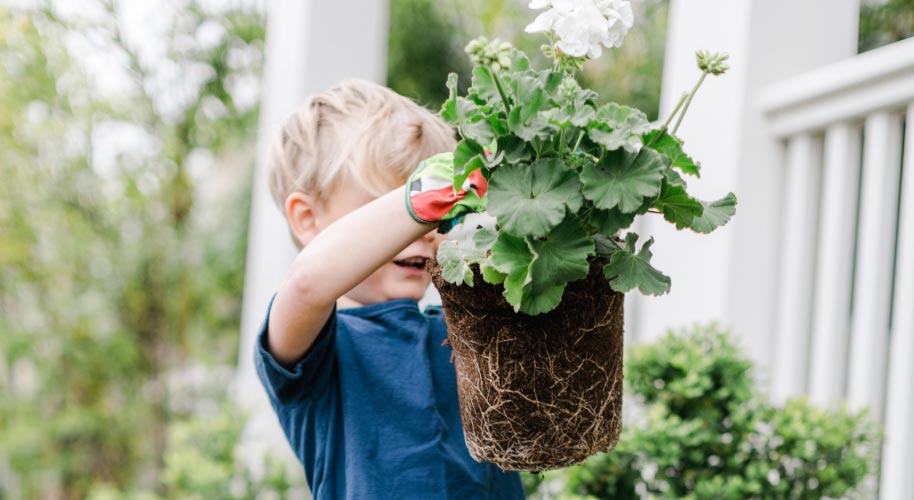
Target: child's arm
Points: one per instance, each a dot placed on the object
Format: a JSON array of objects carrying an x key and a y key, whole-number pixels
[{"x": 335, "y": 261}]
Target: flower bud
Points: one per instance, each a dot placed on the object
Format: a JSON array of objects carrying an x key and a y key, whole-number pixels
[
  {"x": 713, "y": 63},
  {"x": 495, "y": 54},
  {"x": 569, "y": 88}
]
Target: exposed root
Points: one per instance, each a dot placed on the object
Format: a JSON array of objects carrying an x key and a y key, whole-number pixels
[{"x": 537, "y": 392}]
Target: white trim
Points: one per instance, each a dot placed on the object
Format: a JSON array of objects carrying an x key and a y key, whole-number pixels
[
  {"x": 831, "y": 314},
  {"x": 898, "y": 451},
  {"x": 844, "y": 91},
  {"x": 804, "y": 154},
  {"x": 875, "y": 251}
]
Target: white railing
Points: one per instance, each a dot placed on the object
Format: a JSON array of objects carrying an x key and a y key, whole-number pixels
[{"x": 846, "y": 291}]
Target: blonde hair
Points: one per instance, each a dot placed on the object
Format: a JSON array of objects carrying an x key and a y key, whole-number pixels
[{"x": 354, "y": 131}]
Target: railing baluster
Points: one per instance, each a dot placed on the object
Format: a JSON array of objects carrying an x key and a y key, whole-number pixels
[
  {"x": 875, "y": 249},
  {"x": 898, "y": 451},
  {"x": 797, "y": 254},
  {"x": 831, "y": 320}
]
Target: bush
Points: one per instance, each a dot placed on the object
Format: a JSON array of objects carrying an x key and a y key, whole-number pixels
[
  {"x": 203, "y": 460},
  {"x": 700, "y": 429}
]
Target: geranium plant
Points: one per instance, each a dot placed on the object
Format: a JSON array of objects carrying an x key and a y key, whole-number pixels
[{"x": 567, "y": 174}]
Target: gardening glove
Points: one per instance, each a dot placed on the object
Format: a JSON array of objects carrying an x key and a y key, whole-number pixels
[{"x": 430, "y": 195}]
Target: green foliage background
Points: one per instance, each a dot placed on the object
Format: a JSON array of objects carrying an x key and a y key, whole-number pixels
[
  {"x": 884, "y": 22},
  {"x": 630, "y": 74},
  {"x": 120, "y": 289},
  {"x": 698, "y": 429},
  {"x": 121, "y": 277}
]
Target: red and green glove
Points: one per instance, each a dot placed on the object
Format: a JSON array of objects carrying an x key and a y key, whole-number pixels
[{"x": 431, "y": 197}]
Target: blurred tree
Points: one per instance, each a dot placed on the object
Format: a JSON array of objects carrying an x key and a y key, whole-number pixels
[
  {"x": 122, "y": 231},
  {"x": 630, "y": 74},
  {"x": 427, "y": 38},
  {"x": 422, "y": 49},
  {"x": 885, "y": 22}
]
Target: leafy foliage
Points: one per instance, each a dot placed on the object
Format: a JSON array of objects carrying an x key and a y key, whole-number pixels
[
  {"x": 882, "y": 23},
  {"x": 704, "y": 431},
  {"x": 123, "y": 224},
  {"x": 531, "y": 200},
  {"x": 203, "y": 460},
  {"x": 628, "y": 269},
  {"x": 565, "y": 172},
  {"x": 715, "y": 214}
]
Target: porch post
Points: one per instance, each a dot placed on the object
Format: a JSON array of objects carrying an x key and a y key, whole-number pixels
[
  {"x": 310, "y": 45},
  {"x": 731, "y": 275}
]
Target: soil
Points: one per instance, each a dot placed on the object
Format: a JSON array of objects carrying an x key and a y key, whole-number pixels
[{"x": 536, "y": 392}]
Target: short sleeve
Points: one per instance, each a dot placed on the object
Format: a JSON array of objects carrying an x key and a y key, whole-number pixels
[{"x": 309, "y": 377}]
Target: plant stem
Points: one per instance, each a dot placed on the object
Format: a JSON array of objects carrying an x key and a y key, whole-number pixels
[
  {"x": 578, "y": 142},
  {"x": 501, "y": 92},
  {"x": 562, "y": 145},
  {"x": 685, "y": 108},
  {"x": 666, "y": 123},
  {"x": 679, "y": 104}
]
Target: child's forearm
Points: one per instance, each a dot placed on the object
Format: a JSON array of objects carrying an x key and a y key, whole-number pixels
[{"x": 335, "y": 261}]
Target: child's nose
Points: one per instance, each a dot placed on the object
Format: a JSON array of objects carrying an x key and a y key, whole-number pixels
[{"x": 433, "y": 237}]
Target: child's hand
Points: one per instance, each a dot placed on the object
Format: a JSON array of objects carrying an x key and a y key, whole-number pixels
[{"x": 430, "y": 195}]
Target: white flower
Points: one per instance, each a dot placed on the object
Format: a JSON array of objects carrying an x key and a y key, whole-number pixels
[{"x": 584, "y": 27}]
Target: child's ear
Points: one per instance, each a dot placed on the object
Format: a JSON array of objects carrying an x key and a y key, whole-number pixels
[{"x": 302, "y": 217}]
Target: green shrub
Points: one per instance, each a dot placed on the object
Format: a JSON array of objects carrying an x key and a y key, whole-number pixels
[
  {"x": 698, "y": 429},
  {"x": 203, "y": 461}
]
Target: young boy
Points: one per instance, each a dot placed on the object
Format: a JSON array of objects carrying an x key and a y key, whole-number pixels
[{"x": 357, "y": 374}]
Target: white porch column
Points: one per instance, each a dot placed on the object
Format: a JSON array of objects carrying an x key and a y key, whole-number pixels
[
  {"x": 731, "y": 274},
  {"x": 310, "y": 45}
]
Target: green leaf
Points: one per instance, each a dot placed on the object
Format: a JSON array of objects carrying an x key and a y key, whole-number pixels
[
  {"x": 499, "y": 123},
  {"x": 628, "y": 270},
  {"x": 623, "y": 179},
  {"x": 511, "y": 256},
  {"x": 449, "y": 107},
  {"x": 715, "y": 214},
  {"x": 529, "y": 200},
  {"x": 539, "y": 301},
  {"x": 456, "y": 256},
  {"x": 530, "y": 99},
  {"x": 673, "y": 178},
  {"x": 561, "y": 256},
  {"x": 484, "y": 86},
  {"x": 510, "y": 253},
  {"x": 567, "y": 116},
  {"x": 472, "y": 123},
  {"x": 515, "y": 149},
  {"x": 614, "y": 115},
  {"x": 468, "y": 157},
  {"x": 537, "y": 270},
  {"x": 605, "y": 245},
  {"x": 677, "y": 206},
  {"x": 671, "y": 146},
  {"x": 484, "y": 238},
  {"x": 537, "y": 127},
  {"x": 626, "y": 127},
  {"x": 551, "y": 80},
  {"x": 519, "y": 61},
  {"x": 609, "y": 222},
  {"x": 582, "y": 115},
  {"x": 491, "y": 275},
  {"x": 464, "y": 113}
]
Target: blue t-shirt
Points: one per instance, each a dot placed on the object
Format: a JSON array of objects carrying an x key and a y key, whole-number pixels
[{"x": 371, "y": 410}]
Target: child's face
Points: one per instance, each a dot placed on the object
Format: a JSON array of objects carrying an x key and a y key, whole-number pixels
[{"x": 395, "y": 279}]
